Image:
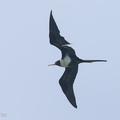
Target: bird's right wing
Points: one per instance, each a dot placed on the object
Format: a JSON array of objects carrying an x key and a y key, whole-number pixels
[
  {"x": 55, "y": 38},
  {"x": 66, "y": 83}
]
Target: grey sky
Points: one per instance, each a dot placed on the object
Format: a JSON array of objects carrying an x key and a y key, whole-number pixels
[{"x": 29, "y": 89}]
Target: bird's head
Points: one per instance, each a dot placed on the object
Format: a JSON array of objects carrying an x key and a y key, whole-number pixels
[{"x": 56, "y": 63}]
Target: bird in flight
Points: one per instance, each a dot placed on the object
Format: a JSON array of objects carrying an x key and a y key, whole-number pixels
[{"x": 69, "y": 60}]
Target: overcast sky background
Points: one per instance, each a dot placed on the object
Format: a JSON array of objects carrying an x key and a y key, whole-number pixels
[{"x": 29, "y": 89}]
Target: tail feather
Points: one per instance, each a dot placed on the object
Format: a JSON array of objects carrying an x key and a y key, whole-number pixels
[{"x": 90, "y": 61}]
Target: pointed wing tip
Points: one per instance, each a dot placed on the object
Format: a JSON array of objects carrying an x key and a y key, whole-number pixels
[
  {"x": 75, "y": 106},
  {"x": 52, "y": 21},
  {"x": 51, "y": 13}
]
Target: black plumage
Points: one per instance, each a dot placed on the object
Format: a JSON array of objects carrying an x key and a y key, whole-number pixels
[
  {"x": 66, "y": 83},
  {"x": 69, "y": 60}
]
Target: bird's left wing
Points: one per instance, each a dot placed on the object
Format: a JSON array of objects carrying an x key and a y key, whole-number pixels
[
  {"x": 66, "y": 83},
  {"x": 55, "y": 38}
]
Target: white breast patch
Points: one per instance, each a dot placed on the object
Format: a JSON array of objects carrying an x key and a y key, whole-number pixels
[{"x": 64, "y": 62}]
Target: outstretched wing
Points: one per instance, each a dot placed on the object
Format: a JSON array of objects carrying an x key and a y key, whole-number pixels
[
  {"x": 55, "y": 38},
  {"x": 66, "y": 83}
]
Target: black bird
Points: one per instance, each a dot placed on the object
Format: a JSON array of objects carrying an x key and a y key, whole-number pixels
[{"x": 69, "y": 60}]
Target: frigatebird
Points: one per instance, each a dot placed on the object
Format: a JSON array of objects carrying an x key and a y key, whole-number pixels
[{"x": 69, "y": 60}]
